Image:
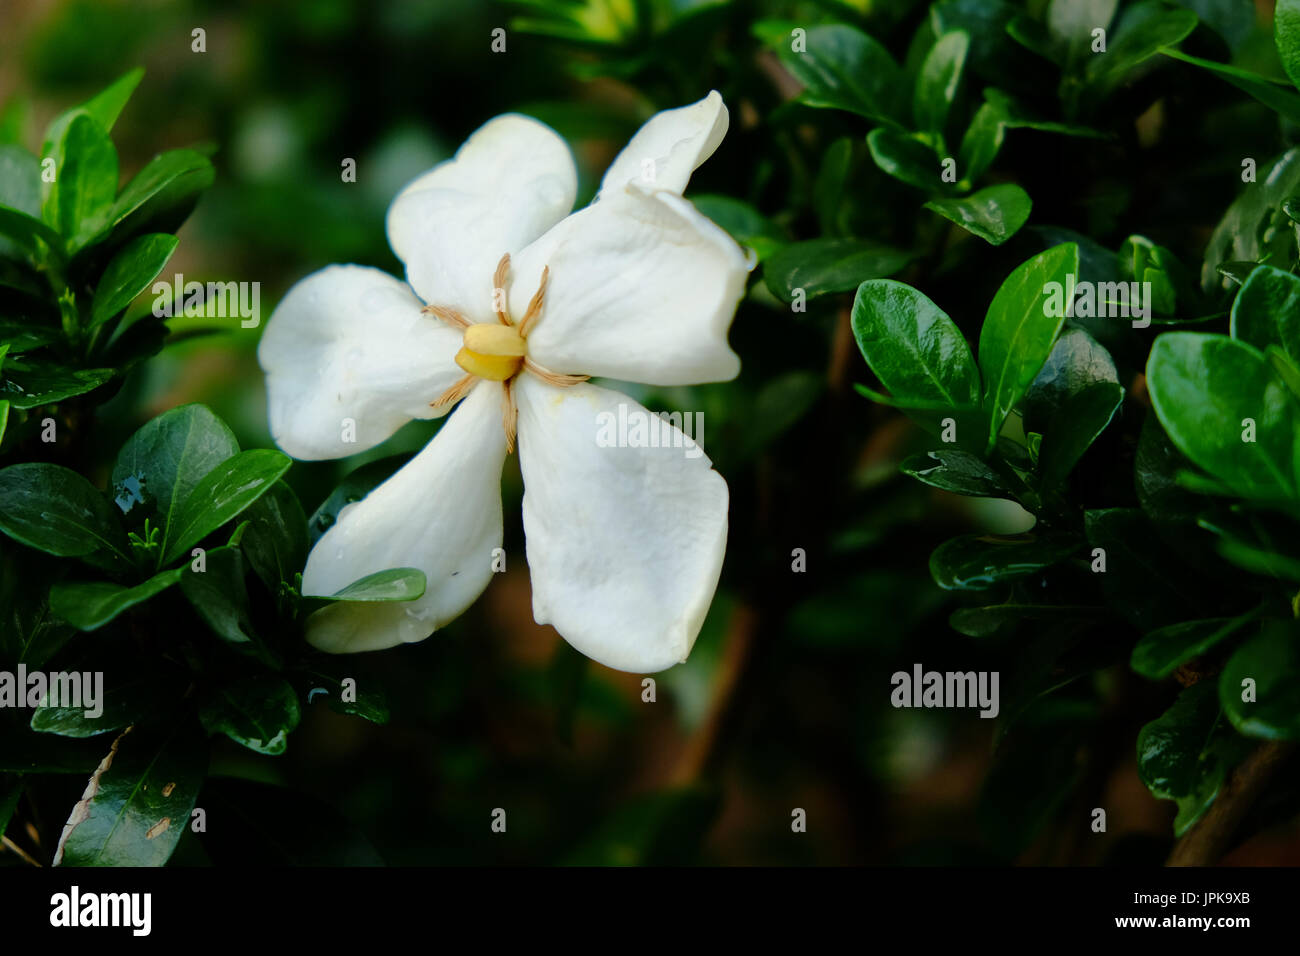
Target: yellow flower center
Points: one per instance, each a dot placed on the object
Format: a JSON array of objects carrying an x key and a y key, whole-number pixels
[
  {"x": 493, "y": 352},
  {"x": 498, "y": 351}
]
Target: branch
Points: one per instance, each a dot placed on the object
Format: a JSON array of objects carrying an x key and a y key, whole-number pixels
[{"x": 1211, "y": 837}]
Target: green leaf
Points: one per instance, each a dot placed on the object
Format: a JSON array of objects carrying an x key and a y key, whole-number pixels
[
  {"x": 977, "y": 562},
  {"x": 1071, "y": 402},
  {"x": 365, "y": 702},
  {"x": 162, "y": 194},
  {"x": 1267, "y": 311},
  {"x": 912, "y": 346},
  {"x": 27, "y": 234},
  {"x": 1161, "y": 652},
  {"x": 259, "y": 712},
  {"x": 85, "y": 165},
  {"x": 1267, "y": 670},
  {"x": 129, "y": 273},
  {"x": 221, "y": 495},
  {"x": 956, "y": 471},
  {"x": 1279, "y": 98},
  {"x": 394, "y": 584},
  {"x": 1144, "y": 31},
  {"x": 104, "y": 107},
  {"x": 936, "y": 85},
  {"x": 143, "y": 691},
  {"x": 1255, "y": 228},
  {"x": 1286, "y": 30},
  {"x": 89, "y": 605},
  {"x": 843, "y": 68},
  {"x": 1185, "y": 754},
  {"x": 20, "y": 180},
  {"x": 907, "y": 159},
  {"x": 54, "y": 509},
  {"x": 167, "y": 458},
  {"x": 138, "y": 802},
  {"x": 276, "y": 540},
  {"x": 983, "y": 621},
  {"x": 218, "y": 594},
  {"x": 982, "y": 142},
  {"x": 994, "y": 214},
  {"x": 29, "y": 384},
  {"x": 820, "y": 266},
  {"x": 1020, "y": 330},
  {"x": 1204, "y": 388}
]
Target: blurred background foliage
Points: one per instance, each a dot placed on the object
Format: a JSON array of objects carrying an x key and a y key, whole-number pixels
[{"x": 784, "y": 702}]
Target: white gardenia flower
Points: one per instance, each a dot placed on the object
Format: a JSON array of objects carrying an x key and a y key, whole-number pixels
[{"x": 512, "y": 304}]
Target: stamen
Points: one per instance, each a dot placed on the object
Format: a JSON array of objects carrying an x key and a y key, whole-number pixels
[
  {"x": 509, "y": 416},
  {"x": 455, "y": 393},
  {"x": 499, "y": 302},
  {"x": 450, "y": 316},
  {"x": 553, "y": 378},
  {"x": 535, "y": 304}
]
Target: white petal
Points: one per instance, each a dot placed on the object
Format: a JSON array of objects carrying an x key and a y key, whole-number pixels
[
  {"x": 346, "y": 345},
  {"x": 624, "y": 544},
  {"x": 511, "y": 181},
  {"x": 440, "y": 513},
  {"x": 669, "y": 147},
  {"x": 642, "y": 288}
]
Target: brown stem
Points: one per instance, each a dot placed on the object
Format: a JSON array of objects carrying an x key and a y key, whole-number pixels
[{"x": 1211, "y": 837}]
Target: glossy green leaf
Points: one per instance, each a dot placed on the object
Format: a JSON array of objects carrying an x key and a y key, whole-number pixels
[
  {"x": 138, "y": 802},
  {"x": 916, "y": 351},
  {"x": 168, "y": 456},
  {"x": 129, "y": 695},
  {"x": 1282, "y": 99},
  {"x": 1142, "y": 32},
  {"x": 843, "y": 68},
  {"x": 982, "y": 142},
  {"x": 937, "y": 83},
  {"x": 821, "y": 266},
  {"x": 1205, "y": 388},
  {"x": 54, "y": 509},
  {"x": 85, "y": 163},
  {"x": 1267, "y": 311},
  {"x": 276, "y": 540},
  {"x": 31, "y": 384},
  {"x": 1254, "y": 227},
  {"x": 1185, "y": 754},
  {"x": 1020, "y": 330},
  {"x": 1071, "y": 401},
  {"x": 994, "y": 214},
  {"x": 957, "y": 471},
  {"x": 221, "y": 495},
  {"x": 1260, "y": 685},
  {"x": 394, "y": 584},
  {"x": 908, "y": 159},
  {"x": 129, "y": 273},
  {"x": 162, "y": 194},
  {"x": 976, "y": 562},
  {"x": 258, "y": 712},
  {"x": 219, "y": 595},
  {"x": 1162, "y": 651},
  {"x": 89, "y": 605},
  {"x": 104, "y": 107}
]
